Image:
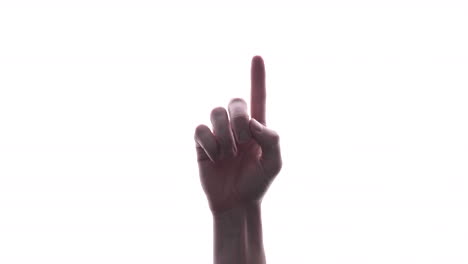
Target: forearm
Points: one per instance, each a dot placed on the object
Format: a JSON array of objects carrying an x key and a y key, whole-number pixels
[
  {"x": 238, "y": 236},
  {"x": 256, "y": 252}
]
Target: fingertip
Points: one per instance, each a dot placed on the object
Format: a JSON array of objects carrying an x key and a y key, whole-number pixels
[
  {"x": 258, "y": 64},
  {"x": 257, "y": 58}
]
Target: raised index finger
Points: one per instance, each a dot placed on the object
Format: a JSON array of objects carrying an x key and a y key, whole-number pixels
[{"x": 258, "y": 92}]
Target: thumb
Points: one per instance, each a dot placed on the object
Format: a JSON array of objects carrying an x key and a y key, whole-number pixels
[{"x": 269, "y": 142}]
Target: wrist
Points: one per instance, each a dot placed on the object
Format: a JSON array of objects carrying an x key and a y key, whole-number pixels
[
  {"x": 238, "y": 211},
  {"x": 230, "y": 236},
  {"x": 238, "y": 235}
]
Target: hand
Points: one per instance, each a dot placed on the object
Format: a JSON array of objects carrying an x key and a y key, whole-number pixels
[{"x": 241, "y": 157}]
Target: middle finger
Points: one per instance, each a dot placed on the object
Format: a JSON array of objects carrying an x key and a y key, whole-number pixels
[{"x": 223, "y": 132}]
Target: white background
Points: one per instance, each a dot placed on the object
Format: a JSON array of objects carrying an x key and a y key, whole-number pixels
[{"x": 99, "y": 101}]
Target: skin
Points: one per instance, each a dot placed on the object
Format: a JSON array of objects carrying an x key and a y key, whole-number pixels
[{"x": 238, "y": 159}]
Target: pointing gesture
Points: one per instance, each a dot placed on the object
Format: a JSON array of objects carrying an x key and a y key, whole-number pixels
[{"x": 239, "y": 157}]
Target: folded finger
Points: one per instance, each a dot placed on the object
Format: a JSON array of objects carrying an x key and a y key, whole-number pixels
[
  {"x": 239, "y": 119},
  {"x": 222, "y": 131},
  {"x": 206, "y": 144}
]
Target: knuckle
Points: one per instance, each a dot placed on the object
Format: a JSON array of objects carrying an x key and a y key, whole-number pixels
[
  {"x": 200, "y": 128},
  {"x": 237, "y": 107},
  {"x": 218, "y": 111},
  {"x": 237, "y": 100}
]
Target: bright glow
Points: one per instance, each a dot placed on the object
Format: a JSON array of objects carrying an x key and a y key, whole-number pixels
[{"x": 99, "y": 101}]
